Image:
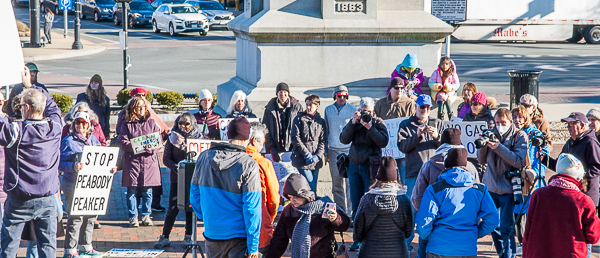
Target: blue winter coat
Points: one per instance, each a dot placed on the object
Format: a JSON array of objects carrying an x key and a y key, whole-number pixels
[
  {"x": 454, "y": 213},
  {"x": 532, "y": 131},
  {"x": 70, "y": 147}
]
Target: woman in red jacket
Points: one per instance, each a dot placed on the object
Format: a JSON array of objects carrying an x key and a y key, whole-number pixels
[{"x": 561, "y": 221}]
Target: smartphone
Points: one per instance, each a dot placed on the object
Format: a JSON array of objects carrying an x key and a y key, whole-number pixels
[
  {"x": 431, "y": 123},
  {"x": 330, "y": 206}
]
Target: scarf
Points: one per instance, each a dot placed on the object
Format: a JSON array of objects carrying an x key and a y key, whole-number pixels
[
  {"x": 301, "y": 236},
  {"x": 565, "y": 182},
  {"x": 178, "y": 137},
  {"x": 445, "y": 147},
  {"x": 88, "y": 140},
  {"x": 389, "y": 189}
]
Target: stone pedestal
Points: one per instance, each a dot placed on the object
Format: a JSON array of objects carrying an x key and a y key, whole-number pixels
[{"x": 314, "y": 45}]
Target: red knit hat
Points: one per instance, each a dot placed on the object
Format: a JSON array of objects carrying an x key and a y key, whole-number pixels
[{"x": 480, "y": 98}]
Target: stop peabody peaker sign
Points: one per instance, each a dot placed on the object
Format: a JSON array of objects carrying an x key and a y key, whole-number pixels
[{"x": 94, "y": 181}]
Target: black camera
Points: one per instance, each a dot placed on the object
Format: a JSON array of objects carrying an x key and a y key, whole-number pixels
[
  {"x": 539, "y": 140},
  {"x": 514, "y": 176},
  {"x": 486, "y": 136},
  {"x": 365, "y": 116}
]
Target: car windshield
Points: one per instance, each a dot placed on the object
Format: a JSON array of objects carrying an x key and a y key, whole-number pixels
[
  {"x": 211, "y": 6},
  {"x": 141, "y": 6},
  {"x": 183, "y": 9}
]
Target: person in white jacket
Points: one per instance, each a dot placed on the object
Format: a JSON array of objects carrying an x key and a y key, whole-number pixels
[{"x": 444, "y": 84}]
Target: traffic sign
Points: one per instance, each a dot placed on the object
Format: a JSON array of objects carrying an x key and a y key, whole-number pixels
[{"x": 65, "y": 4}]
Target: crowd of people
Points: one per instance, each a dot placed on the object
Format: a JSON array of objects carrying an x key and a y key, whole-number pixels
[{"x": 436, "y": 190}]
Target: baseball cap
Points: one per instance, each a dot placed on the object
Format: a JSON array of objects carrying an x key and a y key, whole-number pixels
[
  {"x": 424, "y": 99},
  {"x": 32, "y": 66},
  {"x": 82, "y": 115},
  {"x": 575, "y": 116}
]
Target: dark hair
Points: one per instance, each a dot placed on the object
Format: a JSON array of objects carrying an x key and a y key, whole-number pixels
[
  {"x": 504, "y": 112},
  {"x": 450, "y": 71},
  {"x": 47, "y": 10},
  {"x": 314, "y": 99}
]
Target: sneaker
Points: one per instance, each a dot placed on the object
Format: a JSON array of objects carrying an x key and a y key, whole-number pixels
[
  {"x": 90, "y": 253},
  {"x": 133, "y": 222},
  {"x": 71, "y": 256},
  {"x": 162, "y": 242},
  {"x": 146, "y": 221},
  {"x": 187, "y": 240},
  {"x": 355, "y": 246},
  {"x": 97, "y": 225},
  {"x": 159, "y": 208}
]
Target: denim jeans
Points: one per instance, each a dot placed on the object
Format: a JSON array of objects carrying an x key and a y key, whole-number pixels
[
  {"x": 132, "y": 202},
  {"x": 410, "y": 184},
  {"x": 401, "y": 164},
  {"x": 506, "y": 204},
  {"x": 358, "y": 175},
  {"x": 42, "y": 211},
  {"x": 312, "y": 176}
]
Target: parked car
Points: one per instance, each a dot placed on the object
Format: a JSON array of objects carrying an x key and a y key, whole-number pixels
[
  {"x": 158, "y": 3},
  {"x": 138, "y": 13},
  {"x": 20, "y": 3},
  {"x": 52, "y": 4},
  {"x": 98, "y": 9},
  {"x": 177, "y": 18},
  {"x": 217, "y": 15}
]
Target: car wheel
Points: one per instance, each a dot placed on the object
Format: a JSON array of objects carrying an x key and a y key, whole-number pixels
[
  {"x": 155, "y": 27},
  {"x": 130, "y": 23},
  {"x": 592, "y": 35},
  {"x": 172, "y": 30},
  {"x": 96, "y": 17},
  {"x": 116, "y": 20}
]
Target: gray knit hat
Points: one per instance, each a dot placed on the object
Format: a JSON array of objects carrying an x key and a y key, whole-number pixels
[
  {"x": 338, "y": 89},
  {"x": 594, "y": 112}
]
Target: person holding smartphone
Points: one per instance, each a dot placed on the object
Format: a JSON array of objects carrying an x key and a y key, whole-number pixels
[{"x": 418, "y": 138}]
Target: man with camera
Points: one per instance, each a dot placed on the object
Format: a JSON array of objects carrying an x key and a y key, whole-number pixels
[
  {"x": 368, "y": 134},
  {"x": 504, "y": 150},
  {"x": 418, "y": 138}
]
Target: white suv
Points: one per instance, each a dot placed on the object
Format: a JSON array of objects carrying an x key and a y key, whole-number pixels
[{"x": 177, "y": 18}]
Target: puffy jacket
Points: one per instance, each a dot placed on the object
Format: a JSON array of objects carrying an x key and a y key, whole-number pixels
[
  {"x": 485, "y": 115},
  {"x": 417, "y": 149},
  {"x": 417, "y": 77},
  {"x": 454, "y": 213},
  {"x": 139, "y": 169},
  {"x": 511, "y": 153},
  {"x": 211, "y": 119},
  {"x": 276, "y": 121},
  {"x": 70, "y": 147},
  {"x": 394, "y": 222},
  {"x": 365, "y": 142},
  {"x": 387, "y": 108},
  {"x": 463, "y": 109},
  {"x": 32, "y": 153},
  {"x": 431, "y": 170},
  {"x": 586, "y": 148},
  {"x": 451, "y": 84},
  {"x": 269, "y": 186},
  {"x": 102, "y": 112},
  {"x": 308, "y": 137},
  {"x": 322, "y": 234},
  {"x": 226, "y": 194}
]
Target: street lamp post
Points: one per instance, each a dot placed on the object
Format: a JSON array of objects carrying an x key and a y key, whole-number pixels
[
  {"x": 77, "y": 43},
  {"x": 123, "y": 42},
  {"x": 34, "y": 23}
]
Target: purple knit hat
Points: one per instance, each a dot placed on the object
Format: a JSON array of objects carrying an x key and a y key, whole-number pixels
[{"x": 480, "y": 98}]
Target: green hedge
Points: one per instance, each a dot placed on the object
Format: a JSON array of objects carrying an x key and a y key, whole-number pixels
[
  {"x": 171, "y": 99},
  {"x": 63, "y": 101},
  {"x": 123, "y": 97}
]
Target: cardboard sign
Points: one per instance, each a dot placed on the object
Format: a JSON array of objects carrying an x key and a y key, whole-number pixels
[
  {"x": 146, "y": 142},
  {"x": 469, "y": 132},
  {"x": 132, "y": 253},
  {"x": 94, "y": 181},
  {"x": 224, "y": 126},
  {"x": 11, "y": 64},
  {"x": 283, "y": 169},
  {"x": 198, "y": 146},
  {"x": 392, "y": 148}
]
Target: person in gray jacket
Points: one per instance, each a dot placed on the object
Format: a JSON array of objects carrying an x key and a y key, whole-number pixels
[
  {"x": 508, "y": 153},
  {"x": 418, "y": 139},
  {"x": 337, "y": 115}
]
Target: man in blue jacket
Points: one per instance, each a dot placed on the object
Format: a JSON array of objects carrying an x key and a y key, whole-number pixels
[
  {"x": 226, "y": 194},
  {"x": 32, "y": 149},
  {"x": 455, "y": 212}
]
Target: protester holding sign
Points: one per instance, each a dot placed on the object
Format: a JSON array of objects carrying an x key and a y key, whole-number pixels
[
  {"x": 175, "y": 151},
  {"x": 70, "y": 148},
  {"x": 208, "y": 121},
  {"x": 139, "y": 169},
  {"x": 83, "y": 107}
]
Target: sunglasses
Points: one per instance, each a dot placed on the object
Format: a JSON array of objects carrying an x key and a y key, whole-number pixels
[
  {"x": 184, "y": 123},
  {"x": 475, "y": 104},
  {"x": 80, "y": 122},
  {"x": 526, "y": 105},
  {"x": 398, "y": 88},
  {"x": 342, "y": 95},
  {"x": 424, "y": 107}
]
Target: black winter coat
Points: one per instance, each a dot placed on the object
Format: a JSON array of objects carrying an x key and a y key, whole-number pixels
[
  {"x": 308, "y": 136},
  {"x": 273, "y": 120},
  {"x": 395, "y": 223},
  {"x": 417, "y": 149},
  {"x": 365, "y": 142},
  {"x": 485, "y": 115}
]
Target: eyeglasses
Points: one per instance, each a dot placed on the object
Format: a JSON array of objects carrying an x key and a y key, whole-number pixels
[
  {"x": 342, "y": 95},
  {"x": 184, "y": 123},
  {"x": 398, "y": 88},
  {"x": 526, "y": 105}
]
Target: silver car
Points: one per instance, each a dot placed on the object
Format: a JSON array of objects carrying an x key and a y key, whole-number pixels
[
  {"x": 214, "y": 11},
  {"x": 177, "y": 18}
]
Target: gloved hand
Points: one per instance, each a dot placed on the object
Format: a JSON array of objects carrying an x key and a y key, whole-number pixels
[
  {"x": 307, "y": 158},
  {"x": 275, "y": 155},
  {"x": 314, "y": 159}
]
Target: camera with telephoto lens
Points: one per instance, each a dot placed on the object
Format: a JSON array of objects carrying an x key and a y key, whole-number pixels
[
  {"x": 486, "y": 136},
  {"x": 365, "y": 116},
  {"x": 514, "y": 176},
  {"x": 539, "y": 140}
]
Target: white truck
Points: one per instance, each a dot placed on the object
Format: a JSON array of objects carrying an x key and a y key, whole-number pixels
[{"x": 521, "y": 20}]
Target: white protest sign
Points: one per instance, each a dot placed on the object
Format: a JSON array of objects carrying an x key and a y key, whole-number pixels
[
  {"x": 94, "y": 181},
  {"x": 392, "y": 148},
  {"x": 132, "y": 253},
  {"x": 224, "y": 126},
  {"x": 469, "y": 132},
  {"x": 11, "y": 63},
  {"x": 198, "y": 146},
  {"x": 283, "y": 169},
  {"x": 146, "y": 142}
]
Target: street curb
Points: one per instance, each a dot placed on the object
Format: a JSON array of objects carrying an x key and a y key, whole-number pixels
[{"x": 96, "y": 50}]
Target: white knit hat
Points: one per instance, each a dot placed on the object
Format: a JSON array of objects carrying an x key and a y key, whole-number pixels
[
  {"x": 204, "y": 94},
  {"x": 570, "y": 165},
  {"x": 594, "y": 112}
]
